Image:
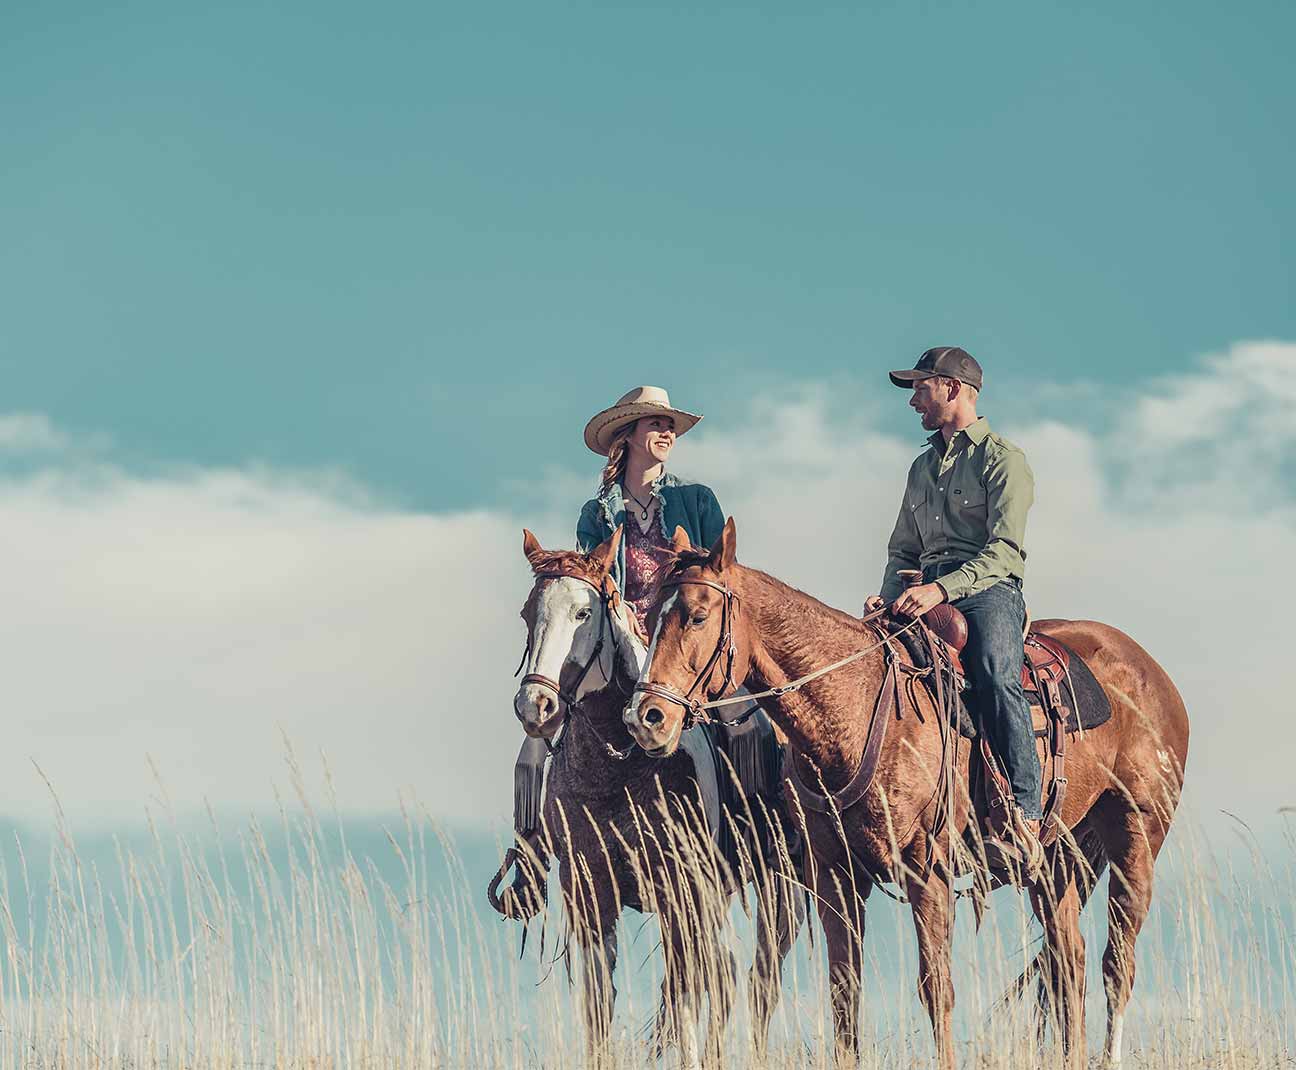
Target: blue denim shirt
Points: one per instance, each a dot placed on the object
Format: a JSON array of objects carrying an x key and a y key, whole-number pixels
[{"x": 691, "y": 506}]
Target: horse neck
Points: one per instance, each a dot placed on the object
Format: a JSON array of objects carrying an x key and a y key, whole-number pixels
[
  {"x": 791, "y": 635},
  {"x": 598, "y": 722}
]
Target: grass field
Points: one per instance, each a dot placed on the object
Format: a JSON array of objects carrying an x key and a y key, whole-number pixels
[{"x": 313, "y": 941}]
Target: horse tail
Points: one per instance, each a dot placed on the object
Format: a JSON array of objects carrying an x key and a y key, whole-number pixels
[{"x": 1091, "y": 864}]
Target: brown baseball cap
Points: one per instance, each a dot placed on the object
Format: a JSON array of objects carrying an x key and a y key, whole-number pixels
[{"x": 949, "y": 361}]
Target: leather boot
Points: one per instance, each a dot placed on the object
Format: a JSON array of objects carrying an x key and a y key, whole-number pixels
[{"x": 1016, "y": 852}]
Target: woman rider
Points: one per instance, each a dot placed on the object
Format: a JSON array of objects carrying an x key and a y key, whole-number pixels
[{"x": 636, "y": 436}]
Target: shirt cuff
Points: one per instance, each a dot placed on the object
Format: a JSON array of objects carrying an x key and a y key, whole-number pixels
[{"x": 955, "y": 585}]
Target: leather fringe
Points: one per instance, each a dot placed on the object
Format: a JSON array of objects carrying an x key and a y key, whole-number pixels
[
  {"x": 528, "y": 786},
  {"x": 747, "y": 748}
]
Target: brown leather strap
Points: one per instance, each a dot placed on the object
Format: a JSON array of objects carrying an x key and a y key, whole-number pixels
[
  {"x": 860, "y": 783},
  {"x": 543, "y": 681},
  {"x": 1051, "y": 825}
]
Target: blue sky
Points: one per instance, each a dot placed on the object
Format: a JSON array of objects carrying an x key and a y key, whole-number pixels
[
  {"x": 422, "y": 243},
  {"x": 305, "y": 307}
]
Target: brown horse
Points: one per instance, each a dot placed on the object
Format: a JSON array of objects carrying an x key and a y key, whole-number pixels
[
  {"x": 627, "y": 830},
  {"x": 1125, "y": 777}
]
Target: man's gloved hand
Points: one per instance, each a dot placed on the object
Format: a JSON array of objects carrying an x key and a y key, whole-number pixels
[
  {"x": 872, "y": 604},
  {"x": 915, "y": 601}
]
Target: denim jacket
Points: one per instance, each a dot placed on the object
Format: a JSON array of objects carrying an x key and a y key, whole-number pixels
[{"x": 691, "y": 506}]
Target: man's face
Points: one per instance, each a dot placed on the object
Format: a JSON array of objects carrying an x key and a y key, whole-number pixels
[
  {"x": 931, "y": 400},
  {"x": 653, "y": 437}
]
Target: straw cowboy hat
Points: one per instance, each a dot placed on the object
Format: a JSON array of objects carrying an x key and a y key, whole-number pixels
[{"x": 641, "y": 401}]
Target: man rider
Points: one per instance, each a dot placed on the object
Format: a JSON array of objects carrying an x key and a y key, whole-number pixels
[{"x": 962, "y": 523}]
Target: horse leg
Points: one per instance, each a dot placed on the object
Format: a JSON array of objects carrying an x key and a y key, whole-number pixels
[
  {"x": 780, "y": 915},
  {"x": 598, "y": 960},
  {"x": 1058, "y": 908},
  {"x": 722, "y": 980},
  {"x": 677, "y": 1018},
  {"x": 929, "y": 898},
  {"x": 592, "y": 916},
  {"x": 1134, "y": 838},
  {"x": 841, "y": 913}
]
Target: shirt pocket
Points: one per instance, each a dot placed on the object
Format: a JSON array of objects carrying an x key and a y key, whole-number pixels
[
  {"x": 968, "y": 501},
  {"x": 919, "y": 504}
]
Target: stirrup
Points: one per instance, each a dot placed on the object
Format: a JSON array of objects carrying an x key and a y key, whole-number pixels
[
  {"x": 1015, "y": 851},
  {"x": 525, "y": 896}
]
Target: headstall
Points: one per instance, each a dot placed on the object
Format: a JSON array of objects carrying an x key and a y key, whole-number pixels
[
  {"x": 607, "y": 596},
  {"x": 695, "y": 708}
]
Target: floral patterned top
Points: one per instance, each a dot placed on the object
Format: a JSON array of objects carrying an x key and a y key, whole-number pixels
[{"x": 646, "y": 553}]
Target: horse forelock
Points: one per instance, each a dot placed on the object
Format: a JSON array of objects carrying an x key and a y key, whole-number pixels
[
  {"x": 683, "y": 560},
  {"x": 567, "y": 562}
]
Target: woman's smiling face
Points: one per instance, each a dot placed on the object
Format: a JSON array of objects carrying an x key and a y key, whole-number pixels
[{"x": 652, "y": 438}]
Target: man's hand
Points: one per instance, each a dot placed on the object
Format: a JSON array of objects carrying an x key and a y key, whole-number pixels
[
  {"x": 917, "y": 600},
  {"x": 872, "y": 604}
]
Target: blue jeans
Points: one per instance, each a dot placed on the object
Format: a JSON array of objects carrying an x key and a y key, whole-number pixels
[{"x": 992, "y": 660}]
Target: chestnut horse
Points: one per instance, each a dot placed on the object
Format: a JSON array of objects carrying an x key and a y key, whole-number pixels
[
  {"x": 1125, "y": 777},
  {"x": 628, "y": 830}
]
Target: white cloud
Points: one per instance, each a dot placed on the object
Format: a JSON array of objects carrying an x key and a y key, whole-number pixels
[
  {"x": 188, "y": 616},
  {"x": 22, "y": 432},
  {"x": 1249, "y": 388}
]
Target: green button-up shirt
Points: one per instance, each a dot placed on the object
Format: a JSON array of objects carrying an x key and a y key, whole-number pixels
[{"x": 963, "y": 505}]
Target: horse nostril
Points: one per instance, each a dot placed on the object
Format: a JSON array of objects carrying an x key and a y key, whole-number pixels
[
  {"x": 653, "y": 716},
  {"x": 545, "y": 704}
]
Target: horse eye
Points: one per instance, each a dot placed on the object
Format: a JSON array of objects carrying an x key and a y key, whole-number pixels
[
  {"x": 582, "y": 614},
  {"x": 698, "y": 618}
]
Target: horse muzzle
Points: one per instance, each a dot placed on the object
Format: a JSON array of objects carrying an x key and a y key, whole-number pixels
[
  {"x": 539, "y": 709},
  {"x": 655, "y": 725}
]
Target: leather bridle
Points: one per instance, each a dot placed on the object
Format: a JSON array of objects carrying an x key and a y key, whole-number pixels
[
  {"x": 607, "y": 597},
  {"x": 695, "y": 708}
]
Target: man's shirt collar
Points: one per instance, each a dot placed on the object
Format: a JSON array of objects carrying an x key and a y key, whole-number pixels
[{"x": 976, "y": 432}]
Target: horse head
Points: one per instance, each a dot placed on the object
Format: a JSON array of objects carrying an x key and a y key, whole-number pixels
[
  {"x": 580, "y": 633},
  {"x": 698, "y": 650}
]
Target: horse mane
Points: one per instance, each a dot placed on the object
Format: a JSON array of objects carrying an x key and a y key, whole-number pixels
[{"x": 683, "y": 560}]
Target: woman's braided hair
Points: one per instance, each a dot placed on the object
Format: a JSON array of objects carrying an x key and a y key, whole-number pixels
[{"x": 618, "y": 456}]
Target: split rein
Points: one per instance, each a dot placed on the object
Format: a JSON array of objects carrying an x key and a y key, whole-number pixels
[{"x": 696, "y": 710}]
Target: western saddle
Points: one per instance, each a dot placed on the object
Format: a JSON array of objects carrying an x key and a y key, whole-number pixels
[{"x": 1045, "y": 666}]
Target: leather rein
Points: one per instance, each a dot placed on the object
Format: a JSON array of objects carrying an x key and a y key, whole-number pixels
[
  {"x": 697, "y": 710},
  {"x": 607, "y": 595}
]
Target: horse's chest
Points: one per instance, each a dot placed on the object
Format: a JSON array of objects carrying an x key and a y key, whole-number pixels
[{"x": 640, "y": 809}]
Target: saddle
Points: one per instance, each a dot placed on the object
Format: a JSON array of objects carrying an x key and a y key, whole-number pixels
[
  {"x": 1055, "y": 705},
  {"x": 1044, "y": 669}
]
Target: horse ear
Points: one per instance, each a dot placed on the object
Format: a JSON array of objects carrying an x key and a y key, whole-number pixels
[
  {"x": 725, "y": 550},
  {"x": 680, "y": 540},
  {"x": 531, "y": 546},
  {"x": 602, "y": 556}
]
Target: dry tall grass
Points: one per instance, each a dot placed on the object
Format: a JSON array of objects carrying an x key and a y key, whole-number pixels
[{"x": 212, "y": 950}]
